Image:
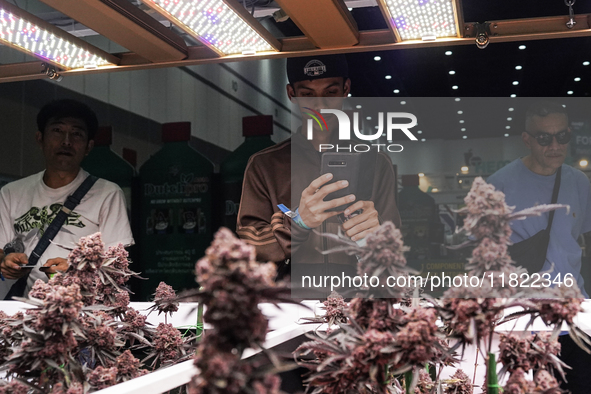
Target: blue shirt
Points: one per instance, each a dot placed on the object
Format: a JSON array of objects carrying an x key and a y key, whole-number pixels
[{"x": 524, "y": 189}]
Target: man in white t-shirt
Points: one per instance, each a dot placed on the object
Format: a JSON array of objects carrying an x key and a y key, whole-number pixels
[{"x": 66, "y": 130}]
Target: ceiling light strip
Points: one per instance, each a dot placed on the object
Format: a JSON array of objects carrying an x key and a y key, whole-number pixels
[
  {"x": 223, "y": 25},
  {"x": 131, "y": 27},
  {"x": 34, "y": 36},
  {"x": 422, "y": 19}
]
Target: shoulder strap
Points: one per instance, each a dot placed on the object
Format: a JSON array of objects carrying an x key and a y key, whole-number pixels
[
  {"x": 554, "y": 196},
  {"x": 18, "y": 288},
  {"x": 71, "y": 202}
]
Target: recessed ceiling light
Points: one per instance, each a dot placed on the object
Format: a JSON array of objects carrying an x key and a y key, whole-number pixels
[
  {"x": 448, "y": 53},
  {"x": 463, "y": 129},
  {"x": 388, "y": 77},
  {"x": 423, "y": 140},
  {"x": 403, "y": 102},
  {"x": 451, "y": 72},
  {"x": 515, "y": 82},
  {"x": 420, "y": 132},
  {"x": 522, "y": 47},
  {"x": 460, "y": 112},
  {"x": 518, "y": 67},
  {"x": 350, "y": 8},
  {"x": 458, "y": 99},
  {"x": 509, "y": 119},
  {"x": 377, "y": 58},
  {"x": 513, "y": 95},
  {"x": 368, "y": 118},
  {"x": 506, "y": 134},
  {"x": 507, "y": 127},
  {"x": 358, "y": 106},
  {"x": 577, "y": 79},
  {"x": 570, "y": 92},
  {"x": 563, "y": 105},
  {"x": 455, "y": 87},
  {"x": 461, "y": 120},
  {"x": 511, "y": 109},
  {"x": 396, "y": 91},
  {"x": 464, "y": 137},
  {"x": 585, "y": 63}
]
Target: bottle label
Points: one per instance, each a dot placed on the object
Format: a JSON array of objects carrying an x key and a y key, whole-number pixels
[
  {"x": 177, "y": 216},
  {"x": 231, "y": 193}
]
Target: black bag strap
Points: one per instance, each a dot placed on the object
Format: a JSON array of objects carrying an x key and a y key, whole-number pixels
[
  {"x": 554, "y": 197},
  {"x": 54, "y": 227},
  {"x": 56, "y": 224}
]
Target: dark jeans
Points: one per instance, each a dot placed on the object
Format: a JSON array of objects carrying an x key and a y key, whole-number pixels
[{"x": 579, "y": 377}]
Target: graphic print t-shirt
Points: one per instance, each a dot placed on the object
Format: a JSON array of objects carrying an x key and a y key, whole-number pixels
[{"x": 28, "y": 206}]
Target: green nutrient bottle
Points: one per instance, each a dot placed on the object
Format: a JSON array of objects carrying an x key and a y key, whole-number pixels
[
  {"x": 257, "y": 131},
  {"x": 176, "y": 211}
]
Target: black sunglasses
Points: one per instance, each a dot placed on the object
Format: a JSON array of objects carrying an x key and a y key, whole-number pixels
[{"x": 545, "y": 139}]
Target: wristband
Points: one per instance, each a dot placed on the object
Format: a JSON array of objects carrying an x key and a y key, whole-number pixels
[
  {"x": 295, "y": 216},
  {"x": 299, "y": 221}
]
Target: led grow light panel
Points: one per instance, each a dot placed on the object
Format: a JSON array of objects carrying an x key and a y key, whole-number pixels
[
  {"x": 215, "y": 24},
  {"x": 422, "y": 19},
  {"x": 26, "y": 36}
]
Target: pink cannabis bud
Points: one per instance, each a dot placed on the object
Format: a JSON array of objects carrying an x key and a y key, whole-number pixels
[
  {"x": 486, "y": 212},
  {"x": 134, "y": 318},
  {"x": 561, "y": 305},
  {"x": 14, "y": 387},
  {"x": 127, "y": 366},
  {"x": 167, "y": 342},
  {"x": 546, "y": 383},
  {"x": 518, "y": 384},
  {"x": 165, "y": 299},
  {"x": 425, "y": 383},
  {"x": 383, "y": 256},
  {"x": 459, "y": 383},
  {"x": 233, "y": 285},
  {"x": 469, "y": 318},
  {"x": 418, "y": 338},
  {"x": 335, "y": 309},
  {"x": 101, "y": 378}
]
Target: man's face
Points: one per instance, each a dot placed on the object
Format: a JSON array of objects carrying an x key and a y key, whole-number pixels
[
  {"x": 546, "y": 159},
  {"x": 323, "y": 93},
  {"x": 64, "y": 143}
]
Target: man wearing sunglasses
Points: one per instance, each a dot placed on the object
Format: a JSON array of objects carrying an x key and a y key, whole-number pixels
[{"x": 529, "y": 181}]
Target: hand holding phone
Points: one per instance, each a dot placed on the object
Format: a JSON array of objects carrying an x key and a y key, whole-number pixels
[
  {"x": 344, "y": 167},
  {"x": 362, "y": 224},
  {"x": 55, "y": 265},
  {"x": 14, "y": 265},
  {"x": 313, "y": 208}
]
